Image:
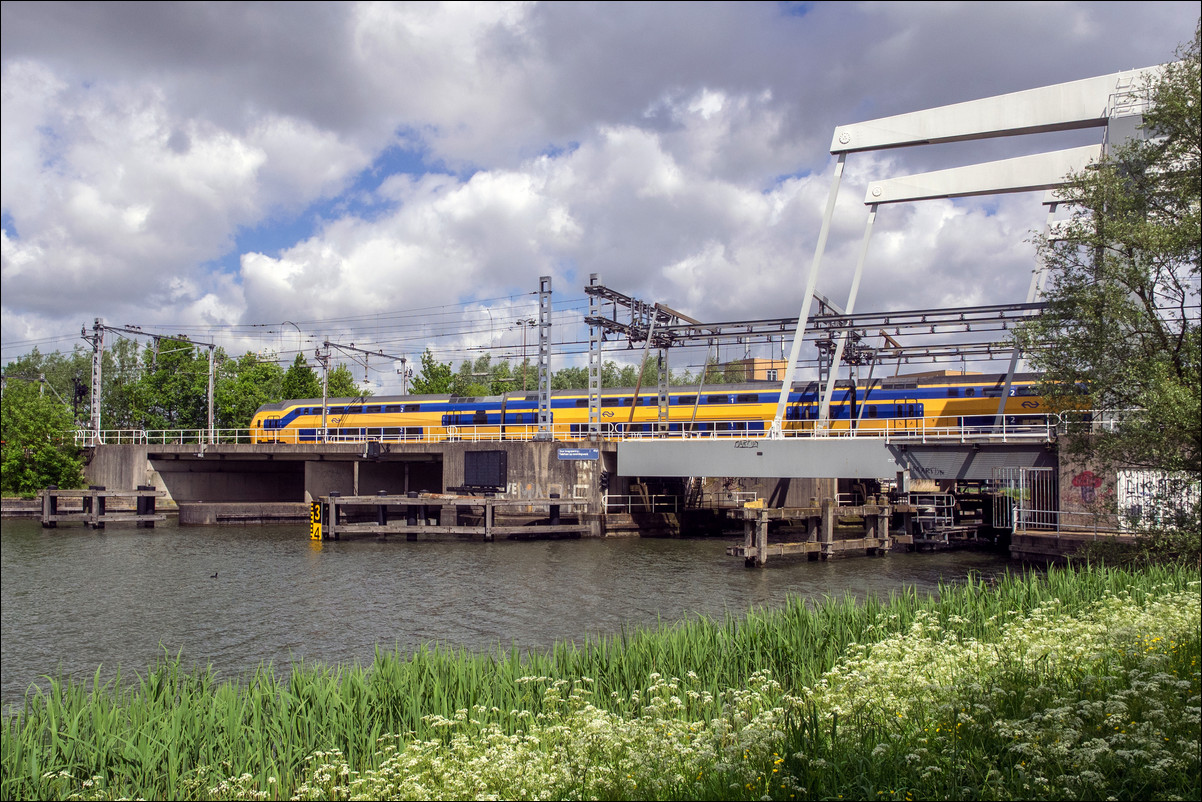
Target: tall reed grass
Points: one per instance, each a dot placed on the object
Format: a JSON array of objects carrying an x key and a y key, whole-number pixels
[{"x": 747, "y": 707}]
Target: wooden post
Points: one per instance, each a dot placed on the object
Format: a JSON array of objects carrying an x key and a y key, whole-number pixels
[
  {"x": 748, "y": 541},
  {"x": 488, "y": 514},
  {"x": 761, "y": 538},
  {"x": 145, "y": 506},
  {"x": 332, "y": 516},
  {"x": 381, "y": 509},
  {"x": 49, "y": 507},
  {"x": 828, "y": 527},
  {"x": 411, "y": 517},
  {"x": 95, "y": 506}
]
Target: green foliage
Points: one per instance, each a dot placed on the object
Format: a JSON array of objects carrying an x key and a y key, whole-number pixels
[
  {"x": 301, "y": 381},
  {"x": 68, "y": 377},
  {"x": 341, "y": 384},
  {"x": 174, "y": 387},
  {"x": 1073, "y": 684},
  {"x": 244, "y": 385},
  {"x": 570, "y": 379},
  {"x": 1121, "y": 333},
  {"x": 434, "y": 378},
  {"x": 37, "y": 444}
]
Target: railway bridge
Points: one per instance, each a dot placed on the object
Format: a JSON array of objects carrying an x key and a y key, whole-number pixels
[{"x": 242, "y": 477}]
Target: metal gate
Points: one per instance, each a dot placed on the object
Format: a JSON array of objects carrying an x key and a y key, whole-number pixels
[{"x": 1026, "y": 498}]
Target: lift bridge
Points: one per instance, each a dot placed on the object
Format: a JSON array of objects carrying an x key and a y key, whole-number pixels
[
  {"x": 888, "y": 339},
  {"x": 1114, "y": 104}
]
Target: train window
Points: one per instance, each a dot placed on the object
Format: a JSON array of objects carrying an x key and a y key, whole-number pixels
[
  {"x": 717, "y": 399},
  {"x": 747, "y": 398},
  {"x": 953, "y": 392},
  {"x": 687, "y": 400},
  {"x": 969, "y": 392},
  {"x": 870, "y": 410},
  {"x": 411, "y": 408},
  {"x": 582, "y": 402},
  {"x": 611, "y": 401}
]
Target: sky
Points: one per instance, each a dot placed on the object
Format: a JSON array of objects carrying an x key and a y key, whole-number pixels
[{"x": 271, "y": 176}]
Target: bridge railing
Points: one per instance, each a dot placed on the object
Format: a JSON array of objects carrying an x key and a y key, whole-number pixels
[
  {"x": 118, "y": 437},
  {"x": 1041, "y": 428}
]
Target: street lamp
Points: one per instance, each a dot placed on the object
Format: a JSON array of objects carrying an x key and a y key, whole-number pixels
[{"x": 523, "y": 324}]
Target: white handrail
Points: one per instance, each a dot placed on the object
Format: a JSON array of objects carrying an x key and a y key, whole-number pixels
[{"x": 891, "y": 430}]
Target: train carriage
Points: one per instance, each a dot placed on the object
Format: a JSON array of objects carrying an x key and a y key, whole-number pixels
[{"x": 941, "y": 402}]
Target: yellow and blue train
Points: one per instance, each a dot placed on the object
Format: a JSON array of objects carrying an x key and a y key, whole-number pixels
[{"x": 929, "y": 402}]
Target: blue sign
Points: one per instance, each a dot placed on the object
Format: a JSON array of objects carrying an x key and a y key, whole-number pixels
[{"x": 579, "y": 453}]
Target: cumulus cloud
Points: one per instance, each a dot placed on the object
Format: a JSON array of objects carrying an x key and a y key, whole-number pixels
[{"x": 238, "y": 164}]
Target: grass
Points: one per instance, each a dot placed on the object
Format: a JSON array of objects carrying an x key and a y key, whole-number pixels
[{"x": 1009, "y": 689}]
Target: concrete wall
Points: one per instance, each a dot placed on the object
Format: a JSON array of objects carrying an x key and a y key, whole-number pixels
[
  {"x": 121, "y": 468},
  {"x": 233, "y": 480},
  {"x": 324, "y": 477},
  {"x": 1087, "y": 495},
  {"x": 534, "y": 469},
  {"x": 400, "y": 477}
]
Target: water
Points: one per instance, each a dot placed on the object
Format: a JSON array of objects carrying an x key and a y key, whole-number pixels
[{"x": 72, "y": 599}]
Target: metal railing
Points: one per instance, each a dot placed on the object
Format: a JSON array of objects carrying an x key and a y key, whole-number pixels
[
  {"x": 935, "y": 510},
  {"x": 642, "y": 503},
  {"x": 893, "y": 430}
]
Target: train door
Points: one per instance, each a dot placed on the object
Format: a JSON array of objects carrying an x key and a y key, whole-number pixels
[
  {"x": 270, "y": 430},
  {"x": 909, "y": 414}
]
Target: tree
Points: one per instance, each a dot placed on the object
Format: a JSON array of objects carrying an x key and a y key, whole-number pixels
[
  {"x": 301, "y": 381},
  {"x": 1120, "y": 334},
  {"x": 37, "y": 449},
  {"x": 341, "y": 384},
  {"x": 244, "y": 385},
  {"x": 435, "y": 377}
]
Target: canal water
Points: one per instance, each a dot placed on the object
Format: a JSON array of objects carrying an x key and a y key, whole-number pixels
[{"x": 237, "y": 597}]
